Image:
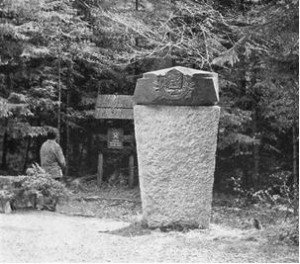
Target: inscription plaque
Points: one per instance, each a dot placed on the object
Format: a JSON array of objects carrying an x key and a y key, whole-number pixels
[{"x": 115, "y": 138}]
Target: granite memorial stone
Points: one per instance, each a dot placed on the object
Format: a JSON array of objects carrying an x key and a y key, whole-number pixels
[{"x": 176, "y": 123}]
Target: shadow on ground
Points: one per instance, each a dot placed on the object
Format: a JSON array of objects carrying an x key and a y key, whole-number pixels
[{"x": 135, "y": 229}]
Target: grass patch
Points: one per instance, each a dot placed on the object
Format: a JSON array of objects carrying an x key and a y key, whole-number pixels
[{"x": 124, "y": 204}]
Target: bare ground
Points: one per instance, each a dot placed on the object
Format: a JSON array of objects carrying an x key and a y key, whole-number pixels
[{"x": 33, "y": 236}]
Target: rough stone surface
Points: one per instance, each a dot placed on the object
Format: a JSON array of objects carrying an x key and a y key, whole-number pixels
[
  {"x": 176, "y": 156},
  {"x": 177, "y": 86}
]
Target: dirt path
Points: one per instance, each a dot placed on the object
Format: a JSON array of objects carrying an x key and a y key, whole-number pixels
[{"x": 52, "y": 237}]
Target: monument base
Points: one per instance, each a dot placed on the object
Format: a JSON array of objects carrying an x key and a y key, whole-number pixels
[{"x": 176, "y": 148}]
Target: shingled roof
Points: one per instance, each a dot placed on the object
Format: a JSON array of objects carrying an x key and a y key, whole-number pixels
[{"x": 110, "y": 106}]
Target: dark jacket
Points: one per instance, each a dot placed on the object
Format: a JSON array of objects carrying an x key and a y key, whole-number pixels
[{"x": 52, "y": 158}]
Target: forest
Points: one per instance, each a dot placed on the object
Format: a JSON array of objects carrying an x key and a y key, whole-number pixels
[{"x": 56, "y": 56}]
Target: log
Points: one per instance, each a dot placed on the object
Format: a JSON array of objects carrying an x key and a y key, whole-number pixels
[{"x": 98, "y": 198}]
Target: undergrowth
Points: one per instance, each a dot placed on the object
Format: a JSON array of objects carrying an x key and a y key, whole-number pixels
[
  {"x": 277, "y": 221},
  {"x": 24, "y": 191},
  {"x": 277, "y": 224}
]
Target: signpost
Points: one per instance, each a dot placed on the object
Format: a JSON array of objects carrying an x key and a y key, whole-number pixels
[
  {"x": 119, "y": 108},
  {"x": 115, "y": 138}
]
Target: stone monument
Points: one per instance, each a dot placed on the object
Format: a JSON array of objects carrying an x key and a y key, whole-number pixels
[{"x": 176, "y": 123}]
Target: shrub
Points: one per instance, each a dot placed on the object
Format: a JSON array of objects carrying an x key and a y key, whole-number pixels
[
  {"x": 41, "y": 183},
  {"x": 6, "y": 194},
  {"x": 289, "y": 232},
  {"x": 44, "y": 184},
  {"x": 10, "y": 189},
  {"x": 276, "y": 191},
  {"x": 22, "y": 191}
]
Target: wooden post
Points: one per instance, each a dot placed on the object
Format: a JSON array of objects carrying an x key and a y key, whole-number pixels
[
  {"x": 100, "y": 169},
  {"x": 131, "y": 171}
]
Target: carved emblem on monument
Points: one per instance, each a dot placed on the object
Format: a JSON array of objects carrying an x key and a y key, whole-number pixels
[{"x": 175, "y": 85}]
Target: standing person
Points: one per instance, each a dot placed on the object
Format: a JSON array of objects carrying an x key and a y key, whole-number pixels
[
  {"x": 53, "y": 162},
  {"x": 52, "y": 157}
]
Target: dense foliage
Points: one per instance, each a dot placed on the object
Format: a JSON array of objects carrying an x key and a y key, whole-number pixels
[
  {"x": 56, "y": 56},
  {"x": 39, "y": 183},
  {"x": 30, "y": 190}
]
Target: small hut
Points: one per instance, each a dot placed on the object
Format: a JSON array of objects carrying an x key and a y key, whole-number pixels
[{"x": 119, "y": 128}]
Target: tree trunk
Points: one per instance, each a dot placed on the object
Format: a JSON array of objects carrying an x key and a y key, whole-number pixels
[
  {"x": 67, "y": 120},
  {"x": 242, "y": 7},
  {"x": 4, "y": 146},
  {"x": 100, "y": 169},
  {"x": 136, "y": 5},
  {"x": 38, "y": 144},
  {"x": 131, "y": 171},
  {"x": 59, "y": 95},
  {"x": 256, "y": 158},
  {"x": 4, "y": 152},
  {"x": 295, "y": 169},
  {"x": 26, "y": 154},
  {"x": 88, "y": 158},
  {"x": 67, "y": 137},
  {"x": 5, "y": 136},
  {"x": 81, "y": 146},
  {"x": 76, "y": 151}
]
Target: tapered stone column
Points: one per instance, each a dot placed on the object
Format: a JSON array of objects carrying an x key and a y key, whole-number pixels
[{"x": 176, "y": 123}]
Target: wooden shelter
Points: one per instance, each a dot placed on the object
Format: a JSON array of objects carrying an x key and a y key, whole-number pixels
[{"x": 117, "y": 109}]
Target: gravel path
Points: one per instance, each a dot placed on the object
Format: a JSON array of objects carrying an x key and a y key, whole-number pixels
[{"x": 52, "y": 237}]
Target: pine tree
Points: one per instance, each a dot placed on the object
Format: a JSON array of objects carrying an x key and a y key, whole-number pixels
[{"x": 264, "y": 46}]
